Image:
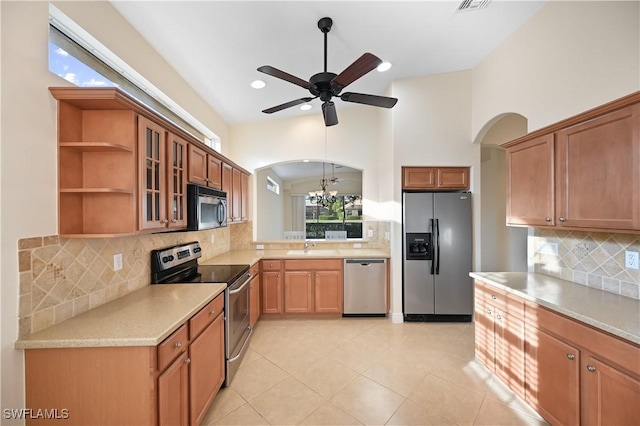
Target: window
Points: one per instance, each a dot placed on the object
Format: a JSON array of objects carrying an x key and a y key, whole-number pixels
[
  {"x": 338, "y": 220},
  {"x": 273, "y": 186},
  {"x": 83, "y": 61}
]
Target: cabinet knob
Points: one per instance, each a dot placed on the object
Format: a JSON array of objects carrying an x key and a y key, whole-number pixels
[
  {"x": 164, "y": 221},
  {"x": 499, "y": 317},
  {"x": 571, "y": 356},
  {"x": 547, "y": 219},
  {"x": 591, "y": 368},
  {"x": 178, "y": 345},
  {"x": 173, "y": 221},
  {"x": 489, "y": 311},
  {"x": 562, "y": 219},
  {"x": 493, "y": 296},
  {"x": 187, "y": 361},
  {"x": 212, "y": 312}
]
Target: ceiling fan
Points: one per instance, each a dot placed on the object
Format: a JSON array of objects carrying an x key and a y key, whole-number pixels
[
  {"x": 335, "y": 180},
  {"x": 325, "y": 85}
]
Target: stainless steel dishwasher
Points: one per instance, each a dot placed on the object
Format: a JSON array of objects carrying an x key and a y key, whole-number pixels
[{"x": 365, "y": 287}]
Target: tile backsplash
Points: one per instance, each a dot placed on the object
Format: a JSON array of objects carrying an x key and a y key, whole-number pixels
[
  {"x": 61, "y": 278},
  {"x": 593, "y": 259}
]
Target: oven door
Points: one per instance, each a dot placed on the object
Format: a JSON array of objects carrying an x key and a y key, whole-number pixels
[{"x": 238, "y": 330}]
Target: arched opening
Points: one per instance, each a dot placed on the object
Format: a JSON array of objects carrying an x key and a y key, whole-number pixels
[{"x": 503, "y": 248}]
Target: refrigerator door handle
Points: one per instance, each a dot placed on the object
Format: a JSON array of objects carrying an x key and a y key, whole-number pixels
[
  {"x": 433, "y": 259},
  {"x": 437, "y": 259}
]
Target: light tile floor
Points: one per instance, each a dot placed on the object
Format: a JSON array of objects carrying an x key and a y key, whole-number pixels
[{"x": 365, "y": 371}]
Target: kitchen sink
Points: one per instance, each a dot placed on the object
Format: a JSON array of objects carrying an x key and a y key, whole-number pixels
[{"x": 312, "y": 252}]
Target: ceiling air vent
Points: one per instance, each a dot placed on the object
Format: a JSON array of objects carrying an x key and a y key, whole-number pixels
[{"x": 473, "y": 4}]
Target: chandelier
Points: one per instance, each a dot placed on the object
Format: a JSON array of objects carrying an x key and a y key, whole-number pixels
[{"x": 323, "y": 197}]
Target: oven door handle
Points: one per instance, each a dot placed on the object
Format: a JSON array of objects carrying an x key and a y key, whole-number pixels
[
  {"x": 244, "y": 344},
  {"x": 238, "y": 290}
]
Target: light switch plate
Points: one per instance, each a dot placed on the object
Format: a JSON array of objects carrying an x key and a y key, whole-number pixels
[
  {"x": 213, "y": 238},
  {"x": 117, "y": 261}
]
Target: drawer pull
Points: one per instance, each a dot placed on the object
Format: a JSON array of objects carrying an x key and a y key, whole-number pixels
[
  {"x": 547, "y": 219},
  {"x": 571, "y": 356},
  {"x": 177, "y": 345},
  {"x": 591, "y": 368},
  {"x": 562, "y": 219}
]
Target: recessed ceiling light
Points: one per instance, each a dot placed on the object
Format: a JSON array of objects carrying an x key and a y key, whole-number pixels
[
  {"x": 258, "y": 84},
  {"x": 305, "y": 107},
  {"x": 385, "y": 66},
  {"x": 305, "y": 161}
]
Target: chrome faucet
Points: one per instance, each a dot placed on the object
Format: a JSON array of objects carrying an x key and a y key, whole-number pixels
[{"x": 308, "y": 244}]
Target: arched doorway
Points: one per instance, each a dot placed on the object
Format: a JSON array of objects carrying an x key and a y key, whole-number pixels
[{"x": 503, "y": 248}]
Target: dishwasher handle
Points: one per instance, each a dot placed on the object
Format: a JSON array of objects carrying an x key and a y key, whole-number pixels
[{"x": 364, "y": 262}]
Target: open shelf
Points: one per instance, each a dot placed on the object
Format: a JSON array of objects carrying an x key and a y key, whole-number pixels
[{"x": 97, "y": 190}]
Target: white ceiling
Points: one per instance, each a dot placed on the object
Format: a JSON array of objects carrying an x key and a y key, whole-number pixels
[{"x": 217, "y": 45}]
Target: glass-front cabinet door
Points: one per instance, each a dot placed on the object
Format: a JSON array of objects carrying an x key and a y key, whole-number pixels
[
  {"x": 177, "y": 181},
  {"x": 152, "y": 156}
]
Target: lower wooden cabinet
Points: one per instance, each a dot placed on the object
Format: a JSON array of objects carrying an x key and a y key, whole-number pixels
[
  {"x": 173, "y": 393},
  {"x": 301, "y": 286},
  {"x": 571, "y": 373},
  {"x": 271, "y": 286},
  {"x": 499, "y": 335},
  {"x": 173, "y": 383},
  {"x": 553, "y": 378},
  {"x": 610, "y": 396}
]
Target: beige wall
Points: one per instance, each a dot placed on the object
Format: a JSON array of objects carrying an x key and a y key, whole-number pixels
[{"x": 568, "y": 57}]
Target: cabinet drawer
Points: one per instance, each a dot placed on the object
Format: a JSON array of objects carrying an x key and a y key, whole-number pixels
[
  {"x": 255, "y": 270},
  {"x": 320, "y": 264},
  {"x": 171, "y": 347},
  {"x": 206, "y": 315},
  {"x": 500, "y": 299},
  {"x": 607, "y": 347},
  {"x": 271, "y": 265}
]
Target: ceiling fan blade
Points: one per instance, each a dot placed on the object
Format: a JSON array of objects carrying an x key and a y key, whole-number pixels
[
  {"x": 286, "y": 105},
  {"x": 357, "y": 69},
  {"x": 374, "y": 100},
  {"x": 329, "y": 113},
  {"x": 274, "y": 72}
]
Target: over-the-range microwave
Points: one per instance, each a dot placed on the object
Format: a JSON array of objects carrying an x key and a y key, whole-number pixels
[{"x": 206, "y": 208}]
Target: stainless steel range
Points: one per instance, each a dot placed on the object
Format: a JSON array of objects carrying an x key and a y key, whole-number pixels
[{"x": 179, "y": 265}]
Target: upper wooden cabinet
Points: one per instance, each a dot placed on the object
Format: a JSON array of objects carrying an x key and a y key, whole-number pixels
[
  {"x": 581, "y": 173},
  {"x": 235, "y": 183},
  {"x": 122, "y": 169},
  {"x": 530, "y": 182},
  {"x": 435, "y": 178},
  {"x": 204, "y": 168}
]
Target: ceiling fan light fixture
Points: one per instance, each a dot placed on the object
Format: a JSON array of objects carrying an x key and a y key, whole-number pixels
[
  {"x": 258, "y": 84},
  {"x": 385, "y": 66}
]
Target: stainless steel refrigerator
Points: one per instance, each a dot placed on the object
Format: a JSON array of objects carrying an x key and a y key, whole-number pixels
[{"x": 437, "y": 250}]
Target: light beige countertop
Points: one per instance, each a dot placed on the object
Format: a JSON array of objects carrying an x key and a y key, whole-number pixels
[
  {"x": 144, "y": 317},
  {"x": 250, "y": 257},
  {"x": 613, "y": 313}
]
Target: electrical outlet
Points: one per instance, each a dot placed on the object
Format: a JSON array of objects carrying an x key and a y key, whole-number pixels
[
  {"x": 213, "y": 238},
  {"x": 117, "y": 261},
  {"x": 357, "y": 245},
  {"x": 370, "y": 233},
  {"x": 631, "y": 259},
  {"x": 259, "y": 246}
]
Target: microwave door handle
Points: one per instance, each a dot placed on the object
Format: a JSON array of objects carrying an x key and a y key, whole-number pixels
[{"x": 222, "y": 212}]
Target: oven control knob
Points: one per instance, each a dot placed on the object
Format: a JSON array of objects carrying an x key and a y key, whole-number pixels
[
  {"x": 166, "y": 259},
  {"x": 197, "y": 250}
]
